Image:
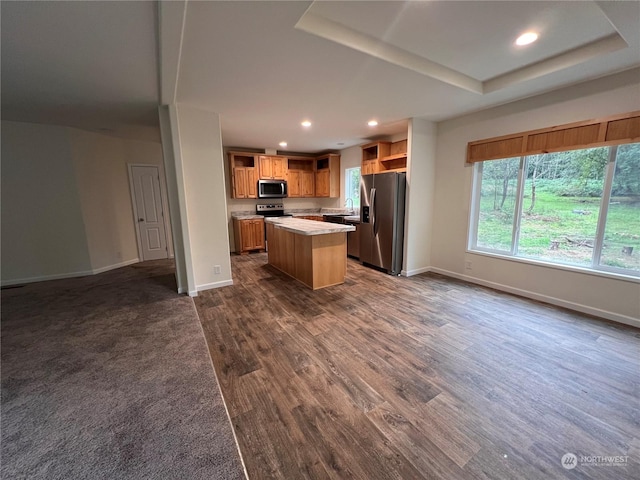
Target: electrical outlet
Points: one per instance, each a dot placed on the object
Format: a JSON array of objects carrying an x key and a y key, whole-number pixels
[
  {"x": 216, "y": 269},
  {"x": 467, "y": 264}
]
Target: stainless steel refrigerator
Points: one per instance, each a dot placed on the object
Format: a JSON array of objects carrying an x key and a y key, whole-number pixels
[{"x": 382, "y": 198}]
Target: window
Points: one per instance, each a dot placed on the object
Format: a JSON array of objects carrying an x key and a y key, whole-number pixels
[
  {"x": 579, "y": 207},
  {"x": 352, "y": 185}
]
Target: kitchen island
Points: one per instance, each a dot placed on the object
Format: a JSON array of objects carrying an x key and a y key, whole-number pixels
[{"x": 315, "y": 253}]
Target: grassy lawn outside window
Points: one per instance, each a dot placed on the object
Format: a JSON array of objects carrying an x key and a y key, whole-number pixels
[{"x": 579, "y": 207}]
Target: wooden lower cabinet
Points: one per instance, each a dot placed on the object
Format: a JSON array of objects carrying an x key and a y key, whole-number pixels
[
  {"x": 249, "y": 235},
  {"x": 353, "y": 240},
  {"x": 318, "y": 261}
]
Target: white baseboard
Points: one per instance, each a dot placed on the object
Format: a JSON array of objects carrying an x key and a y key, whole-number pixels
[
  {"x": 60, "y": 276},
  {"x": 417, "y": 271},
  {"x": 113, "y": 267},
  {"x": 209, "y": 286},
  {"x": 45, "y": 278},
  {"x": 616, "y": 317}
]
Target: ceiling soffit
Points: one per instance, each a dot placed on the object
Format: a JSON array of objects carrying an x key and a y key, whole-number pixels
[{"x": 478, "y": 55}]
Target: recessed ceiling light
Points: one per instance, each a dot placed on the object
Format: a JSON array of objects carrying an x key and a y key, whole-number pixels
[
  {"x": 372, "y": 123},
  {"x": 283, "y": 144},
  {"x": 527, "y": 38},
  {"x": 306, "y": 123}
]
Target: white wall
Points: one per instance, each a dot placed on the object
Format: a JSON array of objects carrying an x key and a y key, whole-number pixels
[
  {"x": 83, "y": 172},
  {"x": 419, "y": 228},
  {"x": 349, "y": 158},
  {"x": 611, "y": 298},
  {"x": 202, "y": 194},
  {"x": 42, "y": 225},
  {"x": 103, "y": 188},
  {"x": 173, "y": 199},
  {"x": 103, "y": 184}
]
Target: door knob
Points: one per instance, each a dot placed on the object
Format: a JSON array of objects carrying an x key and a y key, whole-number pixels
[{"x": 141, "y": 219}]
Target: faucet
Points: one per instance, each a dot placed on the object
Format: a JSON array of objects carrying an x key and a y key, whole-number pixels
[{"x": 347, "y": 201}]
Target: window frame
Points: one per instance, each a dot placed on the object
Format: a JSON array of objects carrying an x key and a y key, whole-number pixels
[
  {"x": 595, "y": 267},
  {"x": 347, "y": 182}
]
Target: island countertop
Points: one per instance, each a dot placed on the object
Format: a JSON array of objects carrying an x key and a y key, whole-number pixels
[{"x": 307, "y": 227}]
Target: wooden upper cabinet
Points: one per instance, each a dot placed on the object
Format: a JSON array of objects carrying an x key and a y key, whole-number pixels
[
  {"x": 396, "y": 160},
  {"x": 240, "y": 182},
  {"x": 371, "y": 155},
  {"x": 322, "y": 183},
  {"x": 278, "y": 167},
  {"x": 242, "y": 169},
  {"x": 307, "y": 186},
  {"x": 328, "y": 175},
  {"x": 293, "y": 184},
  {"x": 368, "y": 167},
  {"x": 272, "y": 168},
  {"x": 380, "y": 157},
  {"x": 252, "y": 183},
  {"x": 265, "y": 167},
  {"x": 301, "y": 177}
]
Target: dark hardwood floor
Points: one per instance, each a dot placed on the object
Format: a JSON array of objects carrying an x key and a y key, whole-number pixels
[{"x": 421, "y": 377}]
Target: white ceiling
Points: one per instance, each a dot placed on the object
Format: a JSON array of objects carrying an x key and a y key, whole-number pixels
[
  {"x": 95, "y": 64},
  {"x": 87, "y": 64}
]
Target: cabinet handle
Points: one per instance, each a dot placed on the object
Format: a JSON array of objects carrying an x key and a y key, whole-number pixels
[{"x": 373, "y": 210}]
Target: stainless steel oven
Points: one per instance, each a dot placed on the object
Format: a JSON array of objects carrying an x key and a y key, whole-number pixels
[
  {"x": 271, "y": 210},
  {"x": 272, "y": 189}
]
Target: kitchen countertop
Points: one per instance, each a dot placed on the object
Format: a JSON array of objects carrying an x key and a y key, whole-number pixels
[
  {"x": 305, "y": 214},
  {"x": 247, "y": 216},
  {"x": 308, "y": 227}
]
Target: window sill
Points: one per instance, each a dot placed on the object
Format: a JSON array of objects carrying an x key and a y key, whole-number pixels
[{"x": 568, "y": 268}]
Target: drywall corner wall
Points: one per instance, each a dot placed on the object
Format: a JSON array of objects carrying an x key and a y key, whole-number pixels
[
  {"x": 66, "y": 202},
  {"x": 103, "y": 188},
  {"x": 173, "y": 199},
  {"x": 200, "y": 166},
  {"x": 421, "y": 156},
  {"x": 43, "y": 232},
  {"x": 610, "y": 298},
  {"x": 349, "y": 158},
  {"x": 101, "y": 169}
]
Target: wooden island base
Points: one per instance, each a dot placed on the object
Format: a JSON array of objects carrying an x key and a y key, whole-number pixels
[{"x": 318, "y": 261}]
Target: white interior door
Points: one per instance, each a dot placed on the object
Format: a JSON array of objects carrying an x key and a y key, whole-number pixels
[{"x": 152, "y": 238}]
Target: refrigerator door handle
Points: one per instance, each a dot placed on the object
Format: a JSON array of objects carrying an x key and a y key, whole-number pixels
[{"x": 373, "y": 211}]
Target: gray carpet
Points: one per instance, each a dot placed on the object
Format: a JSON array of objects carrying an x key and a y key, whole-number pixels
[{"x": 109, "y": 377}]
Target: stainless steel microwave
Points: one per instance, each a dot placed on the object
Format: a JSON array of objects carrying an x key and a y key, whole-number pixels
[{"x": 272, "y": 188}]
